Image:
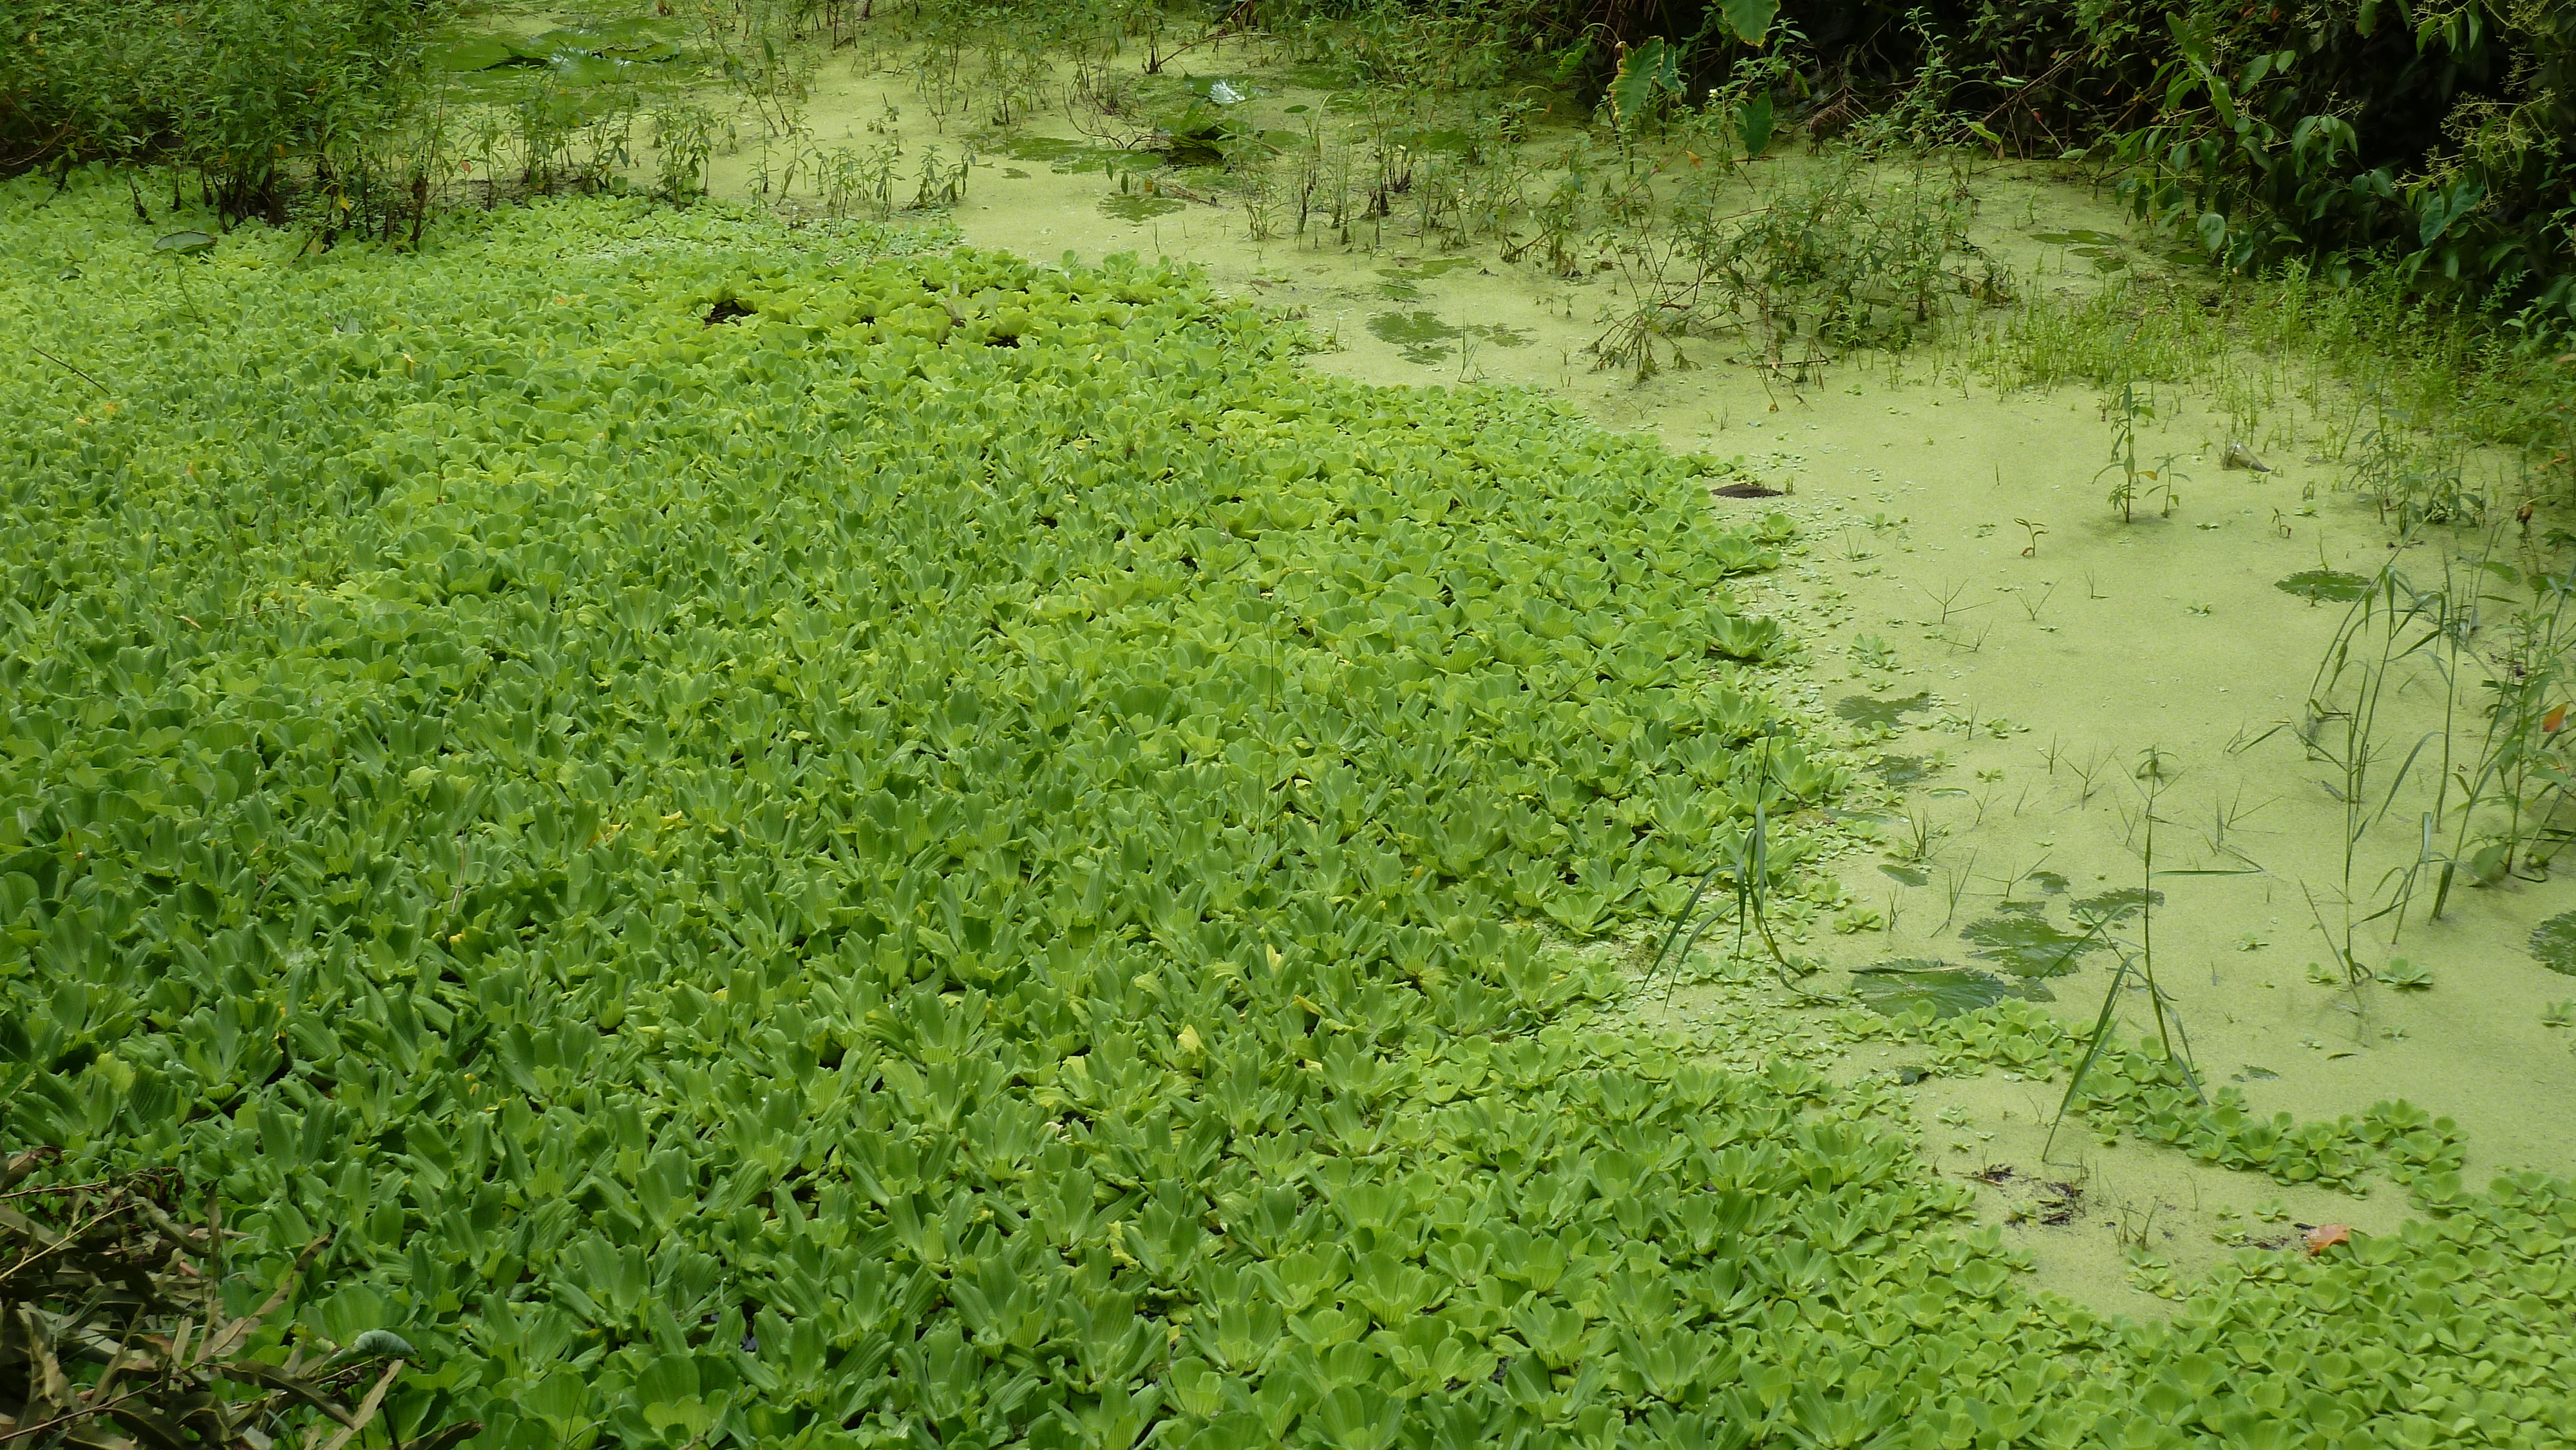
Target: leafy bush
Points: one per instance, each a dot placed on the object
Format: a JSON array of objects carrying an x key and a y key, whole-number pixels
[
  {"x": 2437, "y": 141},
  {"x": 249, "y": 95},
  {"x": 2367, "y": 132},
  {"x": 2372, "y": 132},
  {"x": 1842, "y": 258}
]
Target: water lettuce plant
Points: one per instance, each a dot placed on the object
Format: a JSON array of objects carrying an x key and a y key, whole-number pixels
[{"x": 798, "y": 838}]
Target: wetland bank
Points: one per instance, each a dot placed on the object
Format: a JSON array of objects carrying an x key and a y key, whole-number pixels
[{"x": 1629, "y": 751}]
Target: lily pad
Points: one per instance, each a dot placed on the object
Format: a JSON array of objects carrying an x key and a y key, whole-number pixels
[
  {"x": 476, "y": 53},
  {"x": 2316, "y": 585},
  {"x": 2554, "y": 942},
  {"x": 1873, "y": 711},
  {"x": 1901, "y": 770},
  {"x": 577, "y": 69},
  {"x": 1138, "y": 206},
  {"x": 552, "y": 43},
  {"x": 1062, "y": 155},
  {"x": 1900, "y": 987},
  {"x": 2115, "y": 905},
  {"x": 1907, "y": 874},
  {"x": 2027, "y": 946},
  {"x": 1447, "y": 140},
  {"x": 184, "y": 243},
  {"x": 1422, "y": 335}
]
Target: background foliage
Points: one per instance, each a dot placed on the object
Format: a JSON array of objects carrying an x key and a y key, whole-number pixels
[
  {"x": 248, "y": 95},
  {"x": 2432, "y": 137}
]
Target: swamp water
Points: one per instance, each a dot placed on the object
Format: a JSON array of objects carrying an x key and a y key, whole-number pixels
[{"x": 2019, "y": 676}]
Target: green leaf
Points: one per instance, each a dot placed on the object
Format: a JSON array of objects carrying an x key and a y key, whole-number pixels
[
  {"x": 2553, "y": 943},
  {"x": 2029, "y": 947},
  {"x": 1753, "y": 124},
  {"x": 1649, "y": 72},
  {"x": 1751, "y": 19},
  {"x": 1897, "y": 988},
  {"x": 2314, "y": 585}
]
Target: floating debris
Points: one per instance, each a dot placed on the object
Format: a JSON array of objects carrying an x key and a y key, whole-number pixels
[{"x": 2238, "y": 456}]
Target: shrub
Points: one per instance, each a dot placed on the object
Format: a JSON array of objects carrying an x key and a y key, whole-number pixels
[{"x": 252, "y": 97}]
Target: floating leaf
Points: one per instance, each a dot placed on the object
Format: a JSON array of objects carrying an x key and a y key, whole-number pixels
[
  {"x": 2119, "y": 904},
  {"x": 2028, "y": 946},
  {"x": 184, "y": 243},
  {"x": 1879, "y": 711},
  {"x": 1900, "y": 987},
  {"x": 463, "y": 57},
  {"x": 2554, "y": 943},
  {"x": 2314, "y": 585}
]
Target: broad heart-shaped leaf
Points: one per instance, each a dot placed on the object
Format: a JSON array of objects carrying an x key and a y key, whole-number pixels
[
  {"x": 1647, "y": 69},
  {"x": 2554, "y": 943},
  {"x": 1751, "y": 20},
  {"x": 1754, "y": 123}
]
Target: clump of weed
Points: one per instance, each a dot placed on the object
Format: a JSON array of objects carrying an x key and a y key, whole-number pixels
[{"x": 1847, "y": 255}]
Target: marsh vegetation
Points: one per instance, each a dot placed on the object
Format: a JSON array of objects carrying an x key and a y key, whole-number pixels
[{"x": 1811, "y": 728}]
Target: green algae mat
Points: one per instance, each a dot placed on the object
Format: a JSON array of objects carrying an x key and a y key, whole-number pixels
[{"x": 799, "y": 838}]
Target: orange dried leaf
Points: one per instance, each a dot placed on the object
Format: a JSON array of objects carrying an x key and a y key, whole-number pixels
[{"x": 2325, "y": 1236}]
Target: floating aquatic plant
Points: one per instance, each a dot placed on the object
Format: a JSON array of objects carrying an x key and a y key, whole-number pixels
[
  {"x": 2554, "y": 943},
  {"x": 1943, "y": 990},
  {"x": 2319, "y": 585},
  {"x": 944, "y": 860}
]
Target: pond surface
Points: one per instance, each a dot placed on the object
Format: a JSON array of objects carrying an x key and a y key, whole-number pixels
[{"x": 2096, "y": 726}]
